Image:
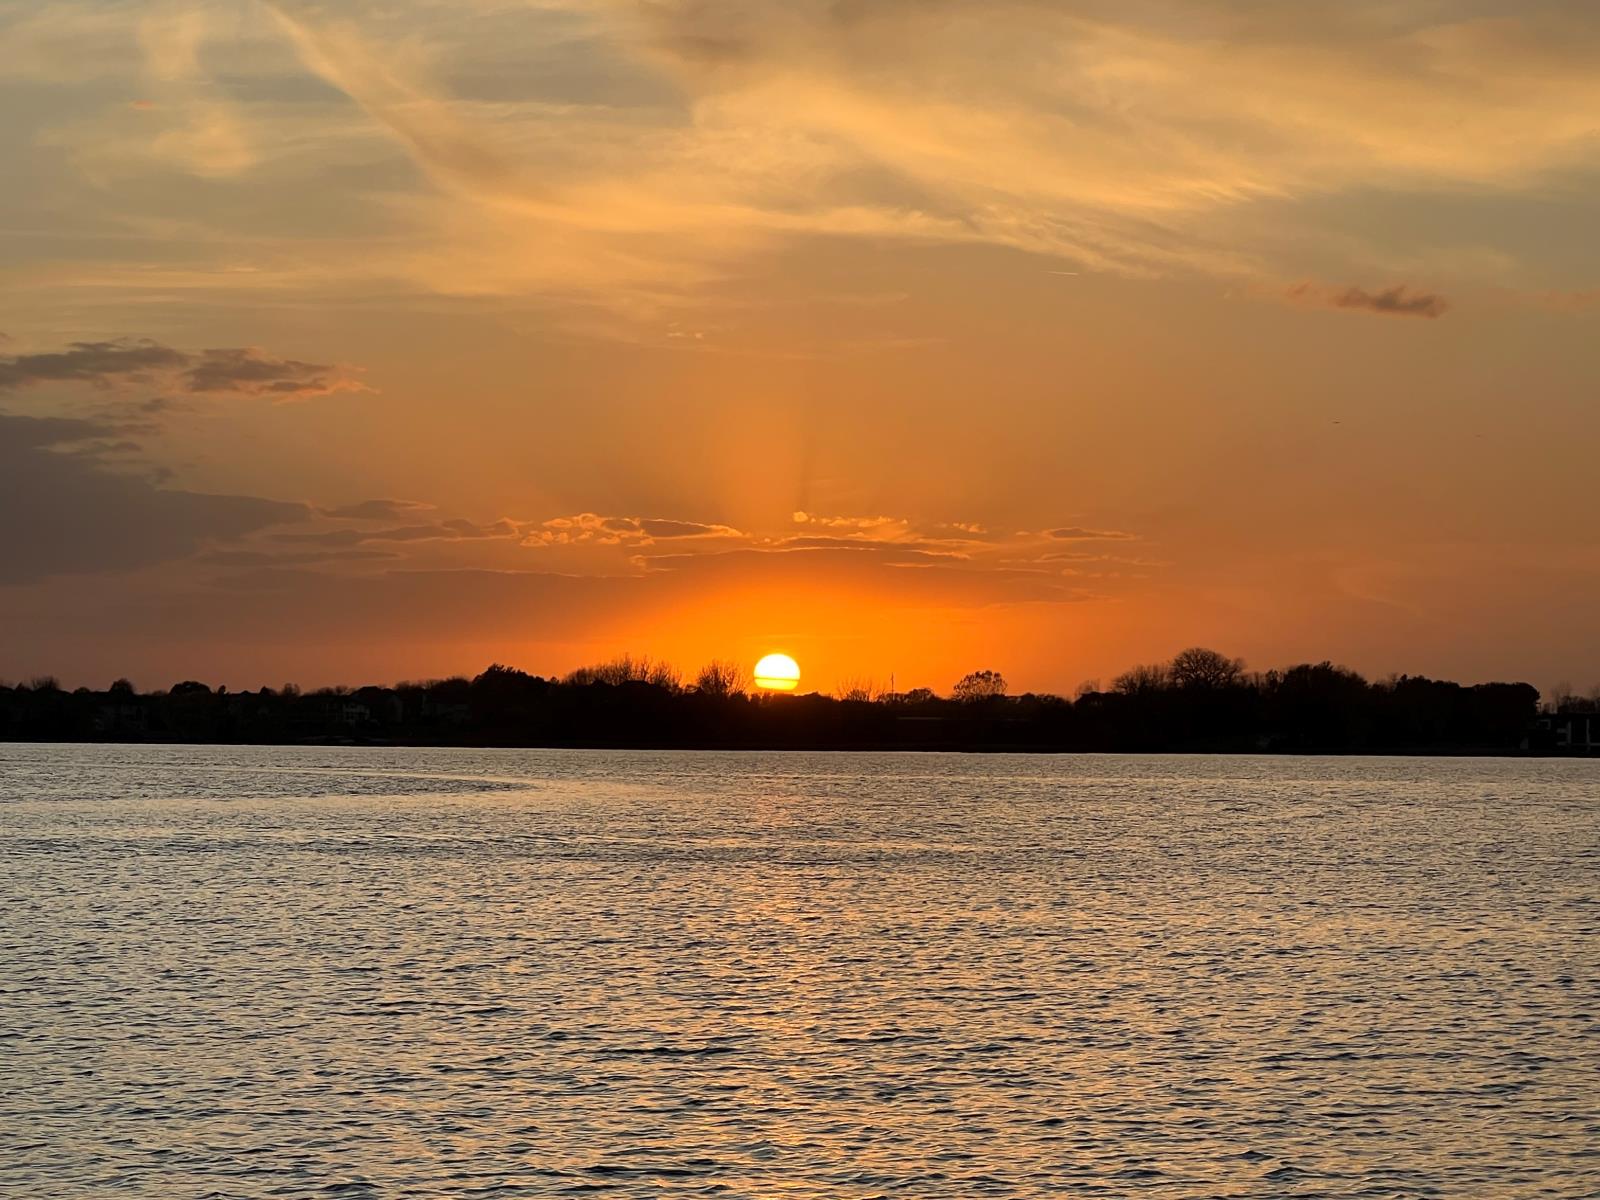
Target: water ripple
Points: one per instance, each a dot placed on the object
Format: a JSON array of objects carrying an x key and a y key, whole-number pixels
[{"x": 413, "y": 973}]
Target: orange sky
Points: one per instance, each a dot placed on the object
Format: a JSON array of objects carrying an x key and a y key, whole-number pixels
[{"x": 388, "y": 340}]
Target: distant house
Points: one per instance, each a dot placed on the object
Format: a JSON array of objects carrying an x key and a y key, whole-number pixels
[
  {"x": 444, "y": 713},
  {"x": 383, "y": 704},
  {"x": 121, "y": 719},
  {"x": 1566, "y": 733},
  {"x": 343, "y": 710}
]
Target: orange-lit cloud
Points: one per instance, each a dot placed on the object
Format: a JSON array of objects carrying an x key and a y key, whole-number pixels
[{"x": 1077, "y": 533}]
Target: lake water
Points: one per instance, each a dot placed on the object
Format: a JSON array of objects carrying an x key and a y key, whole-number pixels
[{"x": 368, "y": 972}]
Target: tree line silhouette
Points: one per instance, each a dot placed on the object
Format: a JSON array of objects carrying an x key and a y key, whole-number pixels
[{"x": 1198, "y": 701}]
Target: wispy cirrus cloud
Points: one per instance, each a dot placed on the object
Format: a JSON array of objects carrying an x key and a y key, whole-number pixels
[{"x": 1123, "y": 139}]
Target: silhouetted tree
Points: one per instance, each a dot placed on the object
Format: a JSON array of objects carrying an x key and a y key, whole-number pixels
[
  {"x": 664, "y": 675},
  {"x": 858, "y": 691},
  {"x": 634, "y": 702},
  {"x": 1319, "y": 706},
  {"x": 502, "y": 686},
  {"x": 1565, "y": 700},
  {"x": 720, "y": 679},
  {"x": 1198, "y": 667},
  {"x": 626, "y": 668},
  {"x": 499, "y": 678},
  {"x": 1141, "y": 679},
  {"x": 979, "y": 685}
]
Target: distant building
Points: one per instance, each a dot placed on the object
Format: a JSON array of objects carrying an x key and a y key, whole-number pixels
[
  {"x": 383, "y": 704},
  {"x": 343, "y": 710},
  {"x": 444, "y": 713},
  {"x": 121, "y": 719},
  {"x": 1566, "y": 733}
]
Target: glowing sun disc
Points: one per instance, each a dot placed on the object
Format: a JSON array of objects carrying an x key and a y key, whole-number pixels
[{"x": 777, "y": 673}]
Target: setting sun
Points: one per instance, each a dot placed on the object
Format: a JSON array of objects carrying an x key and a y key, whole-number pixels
[{"x": 777, "y": 673}]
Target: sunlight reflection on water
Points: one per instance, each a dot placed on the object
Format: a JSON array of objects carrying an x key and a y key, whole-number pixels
[{"x": 269, "y": 972}]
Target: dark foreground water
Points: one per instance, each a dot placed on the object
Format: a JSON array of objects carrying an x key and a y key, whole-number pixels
[{"x": 267, "y": 972}]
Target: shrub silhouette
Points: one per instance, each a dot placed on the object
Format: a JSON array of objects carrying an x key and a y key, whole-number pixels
[
  {"x": 721, "y": 680},
  {"x": 979, "y": 685}
]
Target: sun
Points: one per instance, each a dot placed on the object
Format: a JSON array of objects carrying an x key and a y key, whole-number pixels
[{"x": 777, "y": 673}]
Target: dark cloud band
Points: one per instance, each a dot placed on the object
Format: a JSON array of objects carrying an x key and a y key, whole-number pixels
[{"x": 243, "y": 371}]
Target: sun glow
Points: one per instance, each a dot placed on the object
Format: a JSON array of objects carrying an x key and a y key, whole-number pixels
[{"x": 777, "y": 673}]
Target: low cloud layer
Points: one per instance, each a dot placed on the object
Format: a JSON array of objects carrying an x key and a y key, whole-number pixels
[
  {"x": 1397, "y": 301},
  {"x": 1077, "y": 533},
  {"x": 67, "y": 508},
  {"x": 601, "y": 544},
  {"x": 442, "y": 531},
  {"x": 98, "y": 364},
  {"x": 593, "y": 529},
  {"x": 243, "y": 371},
  {"x": 378, "y": 510},
  {"x": 249, "y": 372}
]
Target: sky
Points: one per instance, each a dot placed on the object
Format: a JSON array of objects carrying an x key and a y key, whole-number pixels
[{"x": 366, "y": 341}]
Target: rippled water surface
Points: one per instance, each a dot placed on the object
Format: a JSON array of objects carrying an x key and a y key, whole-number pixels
[{"x": 268, "y": 972}]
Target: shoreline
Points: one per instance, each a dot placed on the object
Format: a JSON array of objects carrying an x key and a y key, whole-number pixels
[{"x": 1032, "y": 751}]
